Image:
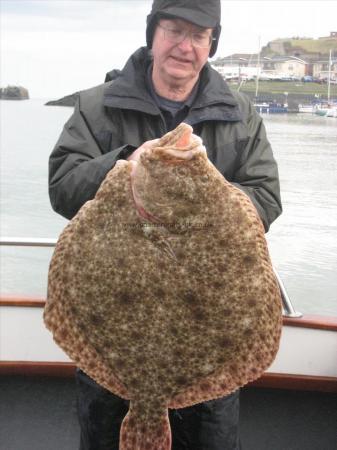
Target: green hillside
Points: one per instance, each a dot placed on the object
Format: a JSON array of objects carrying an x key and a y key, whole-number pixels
[
  {"x": 322, "y": 46},
  {"x": 279, "y": 87},
  {"x": 301, "y": 47}
]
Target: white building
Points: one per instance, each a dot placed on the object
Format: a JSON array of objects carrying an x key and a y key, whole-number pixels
[{"x": 278, "y": 67}]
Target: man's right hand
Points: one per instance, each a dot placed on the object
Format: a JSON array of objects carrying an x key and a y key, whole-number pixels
[
  {"x": 136, "y": 154},
  {"x": 178, "y": 153}
]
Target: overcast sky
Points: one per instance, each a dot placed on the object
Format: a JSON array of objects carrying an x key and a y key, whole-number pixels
[{"x": 56, "y": 47}]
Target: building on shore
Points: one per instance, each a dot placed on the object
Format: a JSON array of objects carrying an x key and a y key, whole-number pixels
[
  {"x": 250, "y": 66},
  {"x": 320, "y": 69},
  {"x": 289, "y": 58}
]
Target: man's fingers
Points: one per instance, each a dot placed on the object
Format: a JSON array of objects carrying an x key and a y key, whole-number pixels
[
  {"x": 181, "y": 154},
  {"x": 147, "y": 145},
  {"x": 187, "y": 155}
]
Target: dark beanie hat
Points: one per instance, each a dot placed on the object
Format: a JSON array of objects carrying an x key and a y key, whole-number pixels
[{"x": 205, "y": 13}]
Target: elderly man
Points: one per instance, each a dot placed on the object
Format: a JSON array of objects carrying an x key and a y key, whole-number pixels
[{"x": 163, "y": 84}]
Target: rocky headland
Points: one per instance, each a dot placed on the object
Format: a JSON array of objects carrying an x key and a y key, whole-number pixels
[
  {"x": 14, "y": 93},
  {"x": 68, "y": 100}
]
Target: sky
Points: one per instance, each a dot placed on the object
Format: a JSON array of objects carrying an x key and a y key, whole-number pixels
[{"x": 57, "y": 47}]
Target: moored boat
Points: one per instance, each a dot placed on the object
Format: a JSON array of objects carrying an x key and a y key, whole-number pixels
[
  {"x": 321, "y": 112},
  {"x": 326, "y": 110},
  {"x": 271, "y": 108},
  {"x": 329, "y": 109},
  {"x": 310, "y": 109},
  {"x": 332, "y": 112}
]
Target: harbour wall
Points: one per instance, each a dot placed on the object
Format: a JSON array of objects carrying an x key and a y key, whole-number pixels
[{"x": 292, "y": 99}]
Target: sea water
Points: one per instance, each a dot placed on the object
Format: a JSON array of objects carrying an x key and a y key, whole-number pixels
[{"x": 302, "y": 241}]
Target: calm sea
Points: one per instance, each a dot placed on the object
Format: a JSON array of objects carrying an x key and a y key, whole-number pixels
[{"x": 303, "y": 241}]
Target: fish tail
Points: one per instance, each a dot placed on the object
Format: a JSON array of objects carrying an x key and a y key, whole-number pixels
[{"x": 139, "y": 434}]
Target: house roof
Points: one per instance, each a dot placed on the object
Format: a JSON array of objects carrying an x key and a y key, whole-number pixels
[
  {"x": 253, "y": 58},
  {"x": 325, "y": 61},
  {"x": 287, "y": 58},
  {"x": 234, "y": 56}
]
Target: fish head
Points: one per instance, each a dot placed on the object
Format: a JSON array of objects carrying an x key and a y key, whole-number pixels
[{"x": 168, "y": 181}]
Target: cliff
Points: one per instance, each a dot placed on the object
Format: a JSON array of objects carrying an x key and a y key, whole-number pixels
[{"x": 14, "y": 93}]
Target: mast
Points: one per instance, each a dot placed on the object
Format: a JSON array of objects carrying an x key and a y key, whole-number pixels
[
  {"x": 258, "y": 69},
  {"x": 329, "y": 78}
]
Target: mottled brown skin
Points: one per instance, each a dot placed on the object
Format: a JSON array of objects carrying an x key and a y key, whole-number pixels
[{"x": 162, "y": 290}]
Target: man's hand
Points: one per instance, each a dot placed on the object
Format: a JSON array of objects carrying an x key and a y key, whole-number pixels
[
  {"x": 177, "y": 153},
  {"x": 136, "y": 154}
]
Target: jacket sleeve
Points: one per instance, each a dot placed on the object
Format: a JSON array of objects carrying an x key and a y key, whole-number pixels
[
  {"x": 257, "y": 174},
  {"x": 77, "y": 165}
]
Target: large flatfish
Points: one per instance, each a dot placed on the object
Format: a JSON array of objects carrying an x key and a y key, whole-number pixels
[{"x": 161, "y": 288}]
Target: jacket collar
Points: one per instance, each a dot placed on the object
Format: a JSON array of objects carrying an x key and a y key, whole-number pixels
[{"x": 129, "y": 91}]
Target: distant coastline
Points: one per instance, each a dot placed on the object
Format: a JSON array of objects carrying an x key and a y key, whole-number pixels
[
  {"x": 68, "y": 100},
  {"x": 293, "y": 93}
]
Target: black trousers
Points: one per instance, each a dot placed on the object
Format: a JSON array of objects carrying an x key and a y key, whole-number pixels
[{"x": 212, "y": 425}]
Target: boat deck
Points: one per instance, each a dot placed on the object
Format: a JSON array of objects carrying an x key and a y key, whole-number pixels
[{"x": 39, "y": 413}]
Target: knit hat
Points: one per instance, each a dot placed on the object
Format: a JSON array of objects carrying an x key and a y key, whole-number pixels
[{"x": 204, "y": 13}]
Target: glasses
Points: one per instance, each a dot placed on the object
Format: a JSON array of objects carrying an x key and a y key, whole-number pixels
[{"x": 200, "y": 39}]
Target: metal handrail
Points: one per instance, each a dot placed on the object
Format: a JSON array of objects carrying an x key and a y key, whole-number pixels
[
  {"x": 288, "y": 309},
  {"x": 27, "y": 242}
]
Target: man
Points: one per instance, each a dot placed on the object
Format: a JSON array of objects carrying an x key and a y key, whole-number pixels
[{"x": 154, "y": 92}]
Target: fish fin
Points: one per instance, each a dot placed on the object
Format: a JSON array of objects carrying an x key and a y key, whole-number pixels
[
  {"x": 167, "y": 249},
  {"x": 139, "y": 434}
]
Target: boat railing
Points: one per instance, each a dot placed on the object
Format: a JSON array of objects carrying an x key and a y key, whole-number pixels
[
  {"x": 27, "y": 242},
  {"x": 288, "y": 308}
]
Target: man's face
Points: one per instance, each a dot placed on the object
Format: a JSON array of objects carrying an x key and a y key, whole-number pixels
[{"x": 179, "y": 62}]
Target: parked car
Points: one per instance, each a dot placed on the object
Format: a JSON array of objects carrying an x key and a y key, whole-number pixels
[
  {"x": 308, "y": 79},
  {"x": 326, "y": 80}
]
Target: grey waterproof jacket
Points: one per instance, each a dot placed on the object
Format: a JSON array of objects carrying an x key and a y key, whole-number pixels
[{"x": 111, "y": 120}]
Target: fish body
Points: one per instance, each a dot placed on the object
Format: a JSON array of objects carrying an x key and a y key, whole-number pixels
[{"x": 161, "y": 288}]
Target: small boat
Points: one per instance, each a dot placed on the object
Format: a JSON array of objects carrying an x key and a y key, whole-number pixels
[
  {"x": 306, "y": 108},
  {"x": 326, "y": 110},
  {"x": 332, "y": 112},
  {"x": 271, "y": 108},
  {"x": 321, "y": 111},
  {"x": 329, "y": 109}
]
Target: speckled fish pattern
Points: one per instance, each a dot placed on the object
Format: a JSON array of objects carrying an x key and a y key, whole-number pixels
[{"x": 162, "y": 290}]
